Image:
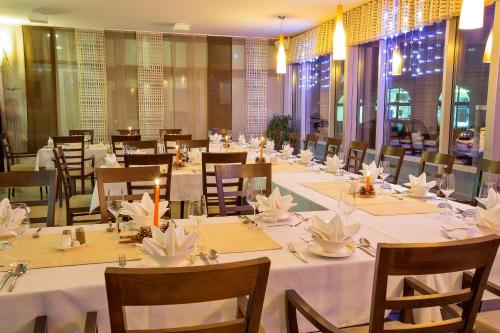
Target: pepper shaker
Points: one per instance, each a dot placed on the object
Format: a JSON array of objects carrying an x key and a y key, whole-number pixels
[{"x": 80, "y": 235}]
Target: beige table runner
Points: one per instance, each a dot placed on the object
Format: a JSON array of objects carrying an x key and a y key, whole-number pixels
[
  {"x": 380, "y": 205},
  {"x": 235, "y": 238},
  {"x": 102, "y": 247},
  {"x": 285, "y": 167}
]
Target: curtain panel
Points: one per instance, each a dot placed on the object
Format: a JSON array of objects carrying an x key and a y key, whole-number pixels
[{"x": 372, "y": 21}]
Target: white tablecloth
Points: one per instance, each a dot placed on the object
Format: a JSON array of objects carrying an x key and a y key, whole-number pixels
[{"x": 45, "y": 156}]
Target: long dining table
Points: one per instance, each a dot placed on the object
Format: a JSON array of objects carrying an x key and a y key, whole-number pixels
[{"x": 340, "y": 289}]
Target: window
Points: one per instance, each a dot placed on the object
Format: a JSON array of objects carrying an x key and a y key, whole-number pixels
[
  {"x": 413, "y": 89},
  {"x": 471, "y": 74},
  {"x": 338, "y": 90}
]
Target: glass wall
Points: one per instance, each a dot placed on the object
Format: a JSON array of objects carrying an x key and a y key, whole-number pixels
[
  {"x": 338, "y": 98},
  {"x": 471, "y": 73},
  {"x": 367, "y": 93}
]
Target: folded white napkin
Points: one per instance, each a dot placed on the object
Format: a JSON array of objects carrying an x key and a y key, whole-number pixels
[
  {"x": 195, "y": 156},
  {"x": 333, "y": 163},
  {"x": 492, "y": 198},
  {"x": 489, "y": 218},
  {"x": 50, "y": 142},
  {"x": 372, "y": 168},
  {"x": 242, "y": 140},
  {"x": 276, "y": 204},
  {"x": 143, "y": 211},
  {"x": 215, "y": 138},
  {"x": 286, "y": 152},
  {"x": 305, "y": 156},
  {"x": 10, "y": 218},
  {"x": 255, "y": 142},
  {"x": 173, "y": 241},
  {"x": 421, "y": 181},
  {"x": 270, "y": 146},
  {"x": 110, "y": 161},
  {"x": 333, "y": 230}
]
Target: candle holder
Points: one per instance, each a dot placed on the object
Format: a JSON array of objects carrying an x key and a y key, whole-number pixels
[
  {"x": 260, "y": 160},
  {"x": 367, "y": 191},
  {"x": 178, "y": 163}
]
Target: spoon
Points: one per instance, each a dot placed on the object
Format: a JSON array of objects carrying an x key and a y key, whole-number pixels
[
  {"x": 213, "y": 254},
  {"x": 36, "y": 234},
  {"x": 365, "y": 245},
  {"x": 5, "y": 278},
  {"x": 18, "y": 271}
]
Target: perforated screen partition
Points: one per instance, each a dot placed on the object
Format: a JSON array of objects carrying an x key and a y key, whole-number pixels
[
  {"x": 92, "y": 83},
  {"x": 256, "y": 63},
  {"x": 150, "y": 83}
]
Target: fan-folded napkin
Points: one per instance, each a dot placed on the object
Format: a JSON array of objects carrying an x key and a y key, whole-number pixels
[
  {"x": 333, "y": 230},
  {"x": 110, "y": 161},
  {"x": 143, "y": 211},
  {"x": 276, "y": 204},
  {"x": 242, "y": 140},
  {"x": 421, "y": 181},
  {"x": 333, "y": 163},
  {"x": 306, "y": 156},
  {"x": 372, "y": 168},
  {"x": 215, "y": 138},
  {"x": 172, "y": 242}
]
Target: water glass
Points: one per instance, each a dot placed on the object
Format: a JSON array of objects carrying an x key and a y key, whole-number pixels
[
  {"x": 347, "y": 201},
  {"x": 484, "y": 192},
  {"x": 447, "y": 187},
  {"x": 385, "y": 167},
  {"x": 252, "y": 191},
  {"x": 197, "y": 209},
  {"x": 23, "y": 225}
]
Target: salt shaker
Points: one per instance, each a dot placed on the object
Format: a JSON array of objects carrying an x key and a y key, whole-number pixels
[
  {"x": 80, "y": 235},
  {"x": 66, "y": 239}
]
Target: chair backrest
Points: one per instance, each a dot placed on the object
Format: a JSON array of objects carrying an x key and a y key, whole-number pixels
[
  {"x": 151, "y": 145},
  {"x": 169, "y": 140},
  {"x": 82, "y": 132},
  {"x": 444, "y": 160},
  {"x": 133, "y": 131},
  {"x": 488, "y": 166},
  {"x": 433, "y": 258},
  {"x": 154, "y": 286},
  {"x": 229, "y": 179},
  {"x": 332, "y": 146},
  {"x": 73, "y": 147},
  {"x": 164, "y": 131},
  {"x": 63, "y": 172},
  {"x": 208, "y": 160},
  {"x": 355, "y": 156},
  {"x": 194, "y": 144},
  {"x": 117, "y": 144},
  {"x": 122, "y": 175},
  {"x": 18, "y": 179},
  {"x": 390, "y": 153},
  {"x": 311, "y": 140},
  {"x": 162, "y": 160},
  {"x": 7, "y": 150}
]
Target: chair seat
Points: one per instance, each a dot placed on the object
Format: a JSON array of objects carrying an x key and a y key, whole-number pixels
[
  {"x": 22, "y": 167},
  {"x": 488, "y": 322},
  {"x": 364, "y": 328},
  {"x": 80, "y": 201},
  {"x": 87, "y": 171},
  {"x": 37, "y": 212}
]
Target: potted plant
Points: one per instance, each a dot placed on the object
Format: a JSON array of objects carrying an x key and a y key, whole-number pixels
[{"x": 279, "y": 129}]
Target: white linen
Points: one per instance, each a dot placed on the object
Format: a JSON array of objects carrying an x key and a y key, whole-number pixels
[
  {"x": 45, "y": 156},
  {"x": 143, "y": 211},
  {"x": 242, "y": 140},
  {"x": 305, "y": 156},
  {"x": 172, "y": 242},
  {"x": 372, "y": 168},
  {"x": 490, "y": 217},
  {"x": 276, "y": 204},
  {"x": 421, "y": 181},
  {"x": 333, "y": 229},
  {"x": 215, "y": 138},
  {"x": 110, "y": 161},
  {"x": 333, "y": 163}
]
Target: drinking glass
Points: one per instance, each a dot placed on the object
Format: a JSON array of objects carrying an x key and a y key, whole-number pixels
[
  {"x": 484, "y": 192},
  {"x": 23, "y": 225},
  {"x": 385, "y": 166},
  {"x": 114, "y": 205},
  {"x": 347, "y": 201},
  {"x": 341, "y": 157},
  {"x": 197, "y": 209},
  {"x": 447, "y": 187},
  {"x": 252, "y": 191}
]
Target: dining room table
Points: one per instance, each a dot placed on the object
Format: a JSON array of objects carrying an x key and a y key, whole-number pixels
[{"x": 338, "y": 288}]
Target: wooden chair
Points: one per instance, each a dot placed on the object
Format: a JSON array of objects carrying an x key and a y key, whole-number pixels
[
  {"x": 416, "y": 259},
  {"x": 151, "y": 146},
  {"x": 208, "y": 160},
  {"x": 82, "y": 132},
  {"x": 194, "y": 144},
  {"x": 311, "y": 139},
  {"x": 245, "y": 280},
  {"x": 169, "y": 141},
  {"x": 134, "y": 131},
  {"x": 76, "y": 205},
  {"x": 117, "y": 144},
  {"x": 355, "y": 156},
  {"x": 39, "y": 213},
  {"x": 122, "y": 175},
  {"x": 164, "y": 131},
  {"x": 488, "y": 166},
  {"x": 40, "y": 325},
  {"x": 444, "y": 160},
  {"x": 332, "y": 145},
  {"x": 75, "y": 159},
  {"x": 148, "y": 160},
  {"x": 229, "y": 179},
  {"x": 489, "y": 320},
  {"x": 392, "y": 153}
]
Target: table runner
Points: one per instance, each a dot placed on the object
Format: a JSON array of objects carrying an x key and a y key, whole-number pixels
[
  {"x": 102, "y": 247},
  {"x": 286, "y": 167},
  {"x": 380, "y": 205}
]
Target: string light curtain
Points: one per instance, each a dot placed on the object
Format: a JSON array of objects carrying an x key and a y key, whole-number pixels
[{"x": 372, "y": 21}]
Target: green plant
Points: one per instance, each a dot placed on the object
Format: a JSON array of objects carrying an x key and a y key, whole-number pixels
[{"x": 279, "y": 129}]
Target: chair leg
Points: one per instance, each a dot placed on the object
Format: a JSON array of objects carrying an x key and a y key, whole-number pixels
[
  {"x": 41, "y": 193},
  {"x": 83, "y": 184},
  {"x": 59, "y": 193},
  {"x": 13, "y": 192},
  {"x": 69, "y": 217},
  {"x": 182, "y": 210}
]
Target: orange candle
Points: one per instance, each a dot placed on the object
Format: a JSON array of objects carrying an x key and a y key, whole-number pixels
[
  {"x": 129, "y": 130},
  {"x": 367, "y": 179},
  {"x": 177, "y": 154},
  {"x": 261, "y": 148},
  {"x": 157, "y": 202}
]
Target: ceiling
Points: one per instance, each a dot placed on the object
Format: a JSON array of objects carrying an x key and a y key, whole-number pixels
[{"x": 249, "y": 18}]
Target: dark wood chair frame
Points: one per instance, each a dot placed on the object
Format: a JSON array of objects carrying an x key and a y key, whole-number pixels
[
  {"x": 232, "y": 176},
  {"x": 150, "y": 144},
  {"x": 194, "y": 144},
  {"x": 356, "y": 154},
  {"x": 214, "y": 159},
  {"x": 397, "y": 153},
  {"x": 122, "y": 175},
  {"x": 311, "y": 138},
  {"x": 45, "y": 178},
  {"x": 40, "y": 325},
  {"x": 82, "y": 132},
  {"x": 335, "y": 144},
  {"x": 174, "y": 138},
  {"x": 417, "y": 259},
  {"x": 444, "y": 160},
  {"x": 119, "y": 139},
  {"x": 133, "y": 131}
]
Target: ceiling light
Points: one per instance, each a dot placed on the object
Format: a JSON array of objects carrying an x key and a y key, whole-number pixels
[
  {"x": 281, "y": 61},
  {"x": 487, "y": 49},
  {"x": 11, "y": 20},
  {"x": 339, "y": 47},
  {"x": 471, "y": 15}
]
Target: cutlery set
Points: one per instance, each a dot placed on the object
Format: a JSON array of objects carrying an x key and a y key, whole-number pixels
[{"x": 17, "y": 271}]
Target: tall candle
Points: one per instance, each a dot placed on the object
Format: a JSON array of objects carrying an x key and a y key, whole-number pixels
[
  {"x": 177, "y": 154},
  {"x": 157, "y": 202},
  {"x": 129, "y": 130},
  {"x": 261, "y": 148},
  {"x": 367, "y": 179}
]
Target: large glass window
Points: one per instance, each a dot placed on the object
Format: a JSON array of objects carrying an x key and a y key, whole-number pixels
[
  {"x": 338, "y": 98},
  {"x": 471, "y": 75},
  {"x": 413, "y": 89},
  {"x": 367, "y": 93}
]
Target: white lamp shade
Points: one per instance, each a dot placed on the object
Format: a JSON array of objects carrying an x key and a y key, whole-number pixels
[
  {"x": 339, "y": 47},
  {"x": 487, "y": 49},
  {"x": 281, "y": 61},
  {"x": 471, "y": 15}
]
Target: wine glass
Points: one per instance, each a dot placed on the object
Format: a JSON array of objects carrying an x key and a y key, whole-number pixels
[
  {"x": 197, "y": 209},
  {"x": 22, "y": 225},
  {"x": 385, "y": 167},
  {"x": 347, "y": 201},
  {"x": 114, "y": 205},
  {"x": 341, "y": 156},
  {"x": 484, "y": 192},
  {"x": 447, "y": 187},
  {"x": 252, "y": 191}
]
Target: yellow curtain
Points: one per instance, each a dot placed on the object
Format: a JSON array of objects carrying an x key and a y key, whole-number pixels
[{"x": 372, "y": 21}]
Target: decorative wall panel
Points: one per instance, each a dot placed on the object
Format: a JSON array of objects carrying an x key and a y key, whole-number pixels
[
  {"x": 256, "y": 63},
  {"x": 150, "y": 83},
  {"x": 92, "y": 83}
]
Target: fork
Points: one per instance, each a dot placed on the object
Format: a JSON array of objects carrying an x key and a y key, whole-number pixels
[
  {"x": 301, "y": 217},
  {"x": 122, "y": 260},
  {"x": 296, "y": 253}
]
